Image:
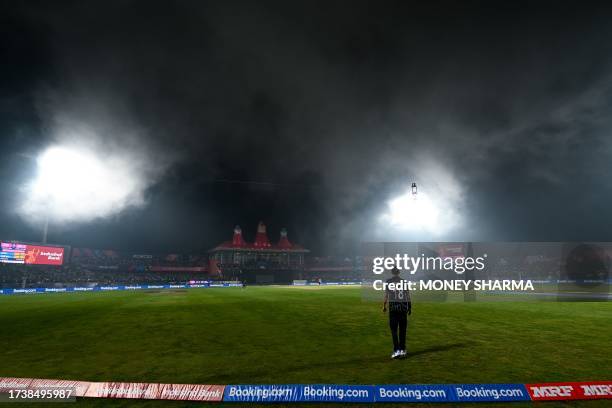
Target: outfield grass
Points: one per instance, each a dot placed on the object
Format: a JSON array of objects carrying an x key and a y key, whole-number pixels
[{"x": 296, "y": 335}]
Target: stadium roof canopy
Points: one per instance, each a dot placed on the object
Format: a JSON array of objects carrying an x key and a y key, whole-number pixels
[{"x": 261, "y": 243}]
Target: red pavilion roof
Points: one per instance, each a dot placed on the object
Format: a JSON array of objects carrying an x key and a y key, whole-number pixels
[
  {"x": 261, "y": 242},
  {"x": 261, "y": 239}
]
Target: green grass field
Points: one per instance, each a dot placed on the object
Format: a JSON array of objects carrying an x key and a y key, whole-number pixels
[{"x": 296, "y": 335}]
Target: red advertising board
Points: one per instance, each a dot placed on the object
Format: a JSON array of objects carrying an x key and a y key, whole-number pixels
[
  {"x": 184, "y": 392},
  {"x": 181, "y": 392},
  {"x": 44, "y": 255},
  {"x": 570, "y": 391}
]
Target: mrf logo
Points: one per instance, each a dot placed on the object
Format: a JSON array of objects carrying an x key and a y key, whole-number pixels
[
  {"x": 597, "y": 390},
  {"x": 551, "y": 391},
  {"x": 571, "y": 391}
]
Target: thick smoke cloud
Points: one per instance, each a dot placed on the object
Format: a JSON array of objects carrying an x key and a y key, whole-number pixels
[
  {"x": 501, "y": 114},
  {"x": 98, "y": 163}
]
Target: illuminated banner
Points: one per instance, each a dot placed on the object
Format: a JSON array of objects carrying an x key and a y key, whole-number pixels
[
  {"x": 16, "y": 253},
  {"x": 43, "y": 255}
]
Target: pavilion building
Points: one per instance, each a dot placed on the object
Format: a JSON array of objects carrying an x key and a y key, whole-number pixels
[{"x": 259, "y": 261}]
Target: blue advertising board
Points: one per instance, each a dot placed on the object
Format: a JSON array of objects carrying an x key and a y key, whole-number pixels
[
  {"x": 299, "y": 393},
  {"x": 106, "y": 288},
  {"x": 420, "y": 393}
]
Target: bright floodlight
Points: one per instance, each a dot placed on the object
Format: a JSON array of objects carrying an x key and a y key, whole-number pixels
[
  {"x": 79, "y": 185},
  {"x": 413, "y": 212}
]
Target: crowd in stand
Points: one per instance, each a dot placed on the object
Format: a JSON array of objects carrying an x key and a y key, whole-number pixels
[
  {"x": 107, "y": 258},
  {"x": 20, "y": 276},
  {"x": 90, "y": 268},
  {"x": 97, "y": 268}
]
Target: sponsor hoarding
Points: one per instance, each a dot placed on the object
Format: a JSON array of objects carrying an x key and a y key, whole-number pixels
[
  {"x": 184, "y": 392},
  {"x": 179, "y": 392},
  {"x": 413, "y": 393},
  {"x": 418, "y": 393},
  {"x": 570, "y": 390},
  {"x": 17, "y": 253},
  {"x": 223, "y": 284},
  {"x": 299, "y": 393},
  {"x": 489, "y": 392}
]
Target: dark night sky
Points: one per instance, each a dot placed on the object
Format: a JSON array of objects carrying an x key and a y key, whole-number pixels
[{"x": 502, "y": 110}]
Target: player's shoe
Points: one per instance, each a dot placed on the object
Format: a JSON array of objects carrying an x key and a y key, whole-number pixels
[
  {"x": 402, "y": 354},
  {"x": 395, "y": 354}
]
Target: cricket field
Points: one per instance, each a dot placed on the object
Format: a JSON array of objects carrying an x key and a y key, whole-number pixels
[{"x": 296, "y": 335}]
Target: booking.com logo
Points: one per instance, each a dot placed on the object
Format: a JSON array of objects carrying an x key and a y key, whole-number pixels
[{"x": 412, "y": 264}]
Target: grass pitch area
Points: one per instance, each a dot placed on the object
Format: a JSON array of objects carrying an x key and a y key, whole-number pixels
[{"x": 296, "y": 335}]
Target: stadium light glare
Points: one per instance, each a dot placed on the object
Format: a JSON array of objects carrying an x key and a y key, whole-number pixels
[
  {"x": 412, "y": 212},
  {"x": 76, "y": 184}
]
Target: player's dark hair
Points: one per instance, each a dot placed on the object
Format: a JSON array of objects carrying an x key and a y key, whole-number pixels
[{"x": 395, "y": 271}]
